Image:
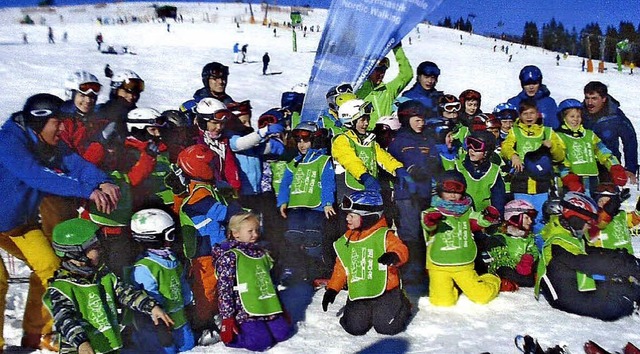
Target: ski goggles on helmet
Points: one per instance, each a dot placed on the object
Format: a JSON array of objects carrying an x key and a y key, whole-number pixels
[
  {"x": 427, "y": 70},
  {"x": 168, "y": 235},
  {"x": 349, "y": 205},
  {"x": 302, "y": 135},
  {"x": 133, "y": 85},
  {"x": 219, "y": 116},
  {"x": 532, "y": 213},
  {"x": 470, "y": 95},
  {"x": 240, "y": 108},
  {"x": 365, "y": 110},
  {"x": 475, "y": 144},
  {"x": 267, "y": 119},
  {"x": 344, "y": 88},
  {"x": 451, "y": 107},
  {"x": 382, "y": 65},
  {"x": 89, "y": 88},
  {"x": 452, "y": 186},
  {"x": 160, "y": 121},
  {"x": 506, "y": 115}
]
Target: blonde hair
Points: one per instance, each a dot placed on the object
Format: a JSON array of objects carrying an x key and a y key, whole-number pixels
[{"x": 237, "y": 220}]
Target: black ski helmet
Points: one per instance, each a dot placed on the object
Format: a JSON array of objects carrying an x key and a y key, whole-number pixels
[
  {"x": 213, "y": 69},
  {"x": 39, "y": 108}
]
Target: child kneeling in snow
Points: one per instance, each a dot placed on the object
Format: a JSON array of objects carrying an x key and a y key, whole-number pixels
[
  {"x": 369, "y": 255},
  {"x": 252, "y": 315},
  {"x": 83, "y": 294},
  {"x": 451, "y": 250}
]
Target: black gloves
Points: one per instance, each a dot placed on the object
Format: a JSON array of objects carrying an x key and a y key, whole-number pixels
[
  {"x": 328, "y": 298},
  {"x": 389, "y": 258}
]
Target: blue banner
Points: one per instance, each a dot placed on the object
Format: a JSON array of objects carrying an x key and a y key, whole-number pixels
[{"x": 356, "y": 35}]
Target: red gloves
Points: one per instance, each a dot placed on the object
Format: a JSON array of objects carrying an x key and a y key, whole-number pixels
[
  {"x": 491, "y": 214},
  {"x": 525, "y": 266},
  {"x": 508, "y": 285},
  {"x": 618, "y": 175},
  {"x": 572, "y": 182},
  {"x": 228, "y": 330},
  {"x": 431, "y": 218}
]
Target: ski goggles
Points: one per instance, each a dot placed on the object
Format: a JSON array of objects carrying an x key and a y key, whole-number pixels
[
  {"x": 365, "y": 110},
  {"x": 451, "y": 107},
  {"x": 344, "y": 88},
  {"x": 267, "y": 119},
  {"x": 429, "y": 71},
  {"x": 89, "y": 88},
  {"x": 219, "y": 116},
  {"x": 506, "y": 115},
  {"x": 349, "y": 205},
  {"x": 451, "y": 186},
  {"x": 302, "y": 135},
  {"x": 240, "y": 108},
  {"x": 475, "y": 144},
  {"x": 133, "y": 85},
  {"x": 160, "y": 122},
  {"x": 383, "y": 64},
  {"x": 168, "y": 235},
  {"x": 521, "y": 211}
]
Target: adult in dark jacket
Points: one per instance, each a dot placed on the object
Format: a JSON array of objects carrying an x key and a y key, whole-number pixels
[
  {"x": 418, "y": 153},
  {"x": 36, "y": 163},
  {"x": 603, "y": 115},
  {"x": 424, "y": 90},
  {"x": 532, "y": 87},
  {"x": 576, "y": 278},
  {"x": 214, "y": 78}
]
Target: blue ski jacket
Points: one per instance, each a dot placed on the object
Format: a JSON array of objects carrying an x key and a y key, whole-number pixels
[{"x": 546, "y": 105}]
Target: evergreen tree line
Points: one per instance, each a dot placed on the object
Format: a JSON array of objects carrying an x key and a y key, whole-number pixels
[{"x": 590, "y": 42}]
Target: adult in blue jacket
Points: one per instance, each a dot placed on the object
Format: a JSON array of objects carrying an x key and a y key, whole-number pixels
[
  {"x": 424, "y": 90},
  {"x": 532, "y": 87},
  {"x": 35, "y": 162},
  {"x": 603, "y": 115},
  {"x": 418, "y": 153}
]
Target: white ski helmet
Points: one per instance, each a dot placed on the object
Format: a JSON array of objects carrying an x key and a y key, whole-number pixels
[
  {"x": 353, "y": 110},
  {"x": 152, "y": 226},
  {"x": 141, "y": 118},
  {"x": 127, "y": 80},
  {"x": 210, "y": 109},
  {"x": 300, "y": 88},
  {"x": 82, "y": 81},
  {"x": 391, "y": 121}
]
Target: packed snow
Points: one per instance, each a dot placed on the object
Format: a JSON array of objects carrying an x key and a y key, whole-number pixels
[{"x": 170, "y": 63}]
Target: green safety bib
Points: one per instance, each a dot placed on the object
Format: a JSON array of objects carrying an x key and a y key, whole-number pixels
[
  {"x": 255, "y": 287},
  {"x": 277, "y": 172},
  {"x": 306, "y": 185},
  {"x": 580, "y": 153},
  {"x": 479, "y": 189},
  {"x": 170, "y": 287},
  {"x": 121, "y": 216},
  {"x": 366, "y": 278},
  {"x": 616, "y": 234},
  {"x": 452, "y": 243},
  {"x": 97, "y": 305},
  {"x": 367, "y": 153},
  {"x": 525, "y": 144}
]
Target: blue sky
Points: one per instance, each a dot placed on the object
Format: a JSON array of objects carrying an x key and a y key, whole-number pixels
[{"x": 488, "y": 13}]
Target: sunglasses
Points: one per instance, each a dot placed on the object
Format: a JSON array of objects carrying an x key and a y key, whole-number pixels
[
  {"x": 133, "y": 85},
  {"x": 89, "y": 88},
  {"x": 266, "y": 119},
  {"x": 451, "y": 107},
  {"x": 453, "y": 187},
  {"x": 219, "y": 116}
]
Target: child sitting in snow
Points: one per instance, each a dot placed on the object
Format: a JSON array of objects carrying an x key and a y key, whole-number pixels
[
  {"x": 512, "y": 250},
  {"x": 369, "y": 256},
  {"x": 159, "y": 272},
  {"x": 252, "y": 315},
  {"x": 83, "y": 294},
  {"x": 451, "y": 250},
  {"x": 613, "y": 223}
]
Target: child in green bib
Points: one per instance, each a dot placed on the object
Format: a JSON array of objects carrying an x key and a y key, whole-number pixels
[
  {"x": 451, "y": 250},
  {"x": 585, "y": 151},
  {"x": 158, "y": 271},
  {"x": 252, "y": 315},
  {"x": 83, "y": 296},
  {"x": 613, "y": 222},
  {"x": 369, "y": 256}
]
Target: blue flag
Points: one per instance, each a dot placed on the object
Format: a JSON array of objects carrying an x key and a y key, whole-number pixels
[{"x": 357, "y": 34}]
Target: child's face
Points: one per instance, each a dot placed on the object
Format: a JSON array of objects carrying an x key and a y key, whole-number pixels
[
  {"x": 603, "y": 201},
  {"x": 304, "y": 145},
  {"x": 450, "y": 115},
  {"x": 526, "y": 222},
  {"x": 573, "y": 117},
  {"x": 448, "y": 140},
  {"x": 94, "y": 256},
  {"x": 529, "y": 116},
  {"x": 248, "y": 232},
  {"x": 362, "y": 124},
  {"x": 506, "y": 125},
  {"x": 470, "y": 106},
  {"x": 215, "y": 128},
  {"x": 476, "y": 156},
  {"x": 154, "y": 131},
  {"x": 416, "y": 123},
  {"x": 354, "y": 221},
  {"x": 451, "y": 196}
]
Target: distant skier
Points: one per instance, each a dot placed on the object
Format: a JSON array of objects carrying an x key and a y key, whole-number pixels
[
  {"x": 265, "y": 63},
  {"x": 99, "y": 40},
  {"x": 107, "y": 71},
  {"x": 236, "y": 53},
  {"x": 244, "y": 53},
  {"x": 51, "y": 41}
]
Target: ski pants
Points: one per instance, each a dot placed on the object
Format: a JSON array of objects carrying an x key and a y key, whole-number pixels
[
  {"x": 203, "y": 285},
  {"x": 55, "y": 209},
  {"x": 388, "y": 314},
  {"x": 149, "y": 338},
  {"x": 28, "y": 244},
  {"x": 443, "y": 280},
  {"x": 259, "y": 336}
]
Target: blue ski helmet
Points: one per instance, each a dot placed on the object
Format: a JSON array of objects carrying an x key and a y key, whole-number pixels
[
  {"x": 428, "y": 68},
  {"x": 363, "y": 203},
  {"x": 506, "y": 111},
  {"x": 530, "y": 74},
  {"x": 567, "y": 104}
]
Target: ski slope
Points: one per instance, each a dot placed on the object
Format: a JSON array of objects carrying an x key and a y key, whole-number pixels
[{"x": 170, "y": 64}]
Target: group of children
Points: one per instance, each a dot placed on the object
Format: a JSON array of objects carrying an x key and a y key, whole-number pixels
[{"x": 461, "y": 201}]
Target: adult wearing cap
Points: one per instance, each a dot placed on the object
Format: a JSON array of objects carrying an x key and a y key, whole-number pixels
[
  {"x": 603, "y": 115},
  {"x": 424, "y": 90},
  {"x": 533, "y": 88},
  {"x": 380, "y": 94},
  {"x": 418, "y": 153},
  {"x": 38, "y": 163}
]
